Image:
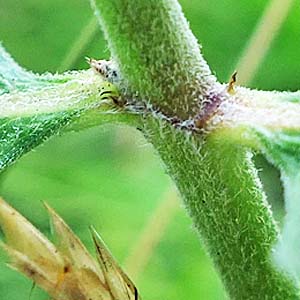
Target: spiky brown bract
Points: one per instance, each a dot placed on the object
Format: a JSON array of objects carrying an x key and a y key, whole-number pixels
[
  {"x": 222, "y": 192},
  {"x": 157, "y": 54},
  {"x": 66, "y": 271}
]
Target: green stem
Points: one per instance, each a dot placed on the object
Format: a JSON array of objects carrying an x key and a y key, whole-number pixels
[
  {"x": 157, "y": 53},
  {"x": 159, "y": 58},
  {"x": 222, "y": 193},
  {"x": 33, "y": 107}
]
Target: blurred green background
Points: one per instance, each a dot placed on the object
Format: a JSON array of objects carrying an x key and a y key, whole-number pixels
[{"x": 109, "y": 176}]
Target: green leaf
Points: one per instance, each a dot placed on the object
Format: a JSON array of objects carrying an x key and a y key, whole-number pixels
[
  {"x": 13, "y": 77},
  {"x": 36, "y": 107},
  {"x": 282, "y": 148},
  {"x": 19, "y": 135}
]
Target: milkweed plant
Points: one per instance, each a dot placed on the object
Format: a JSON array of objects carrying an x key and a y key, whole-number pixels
[{"x": 205, "y": 133}]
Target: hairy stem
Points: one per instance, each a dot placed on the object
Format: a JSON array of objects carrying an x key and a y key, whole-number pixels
[
  {"x": 159, "y": 61},
  {"x": 161, "y": 67},
  {"x": 35, "y": 107},
  {"x": 222, "y": 193},
  {"x": 157, "y": 54}
]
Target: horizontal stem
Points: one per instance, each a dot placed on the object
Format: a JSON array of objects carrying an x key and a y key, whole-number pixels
[
  {"x": 70, "y": 91},
  {"x": 264, "y": 109}
]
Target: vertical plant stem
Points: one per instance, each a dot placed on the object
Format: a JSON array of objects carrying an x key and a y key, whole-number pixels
[
  {"x": 157, "y": 54},
  {"x": 159, "y": 59},
  {"x": 222, "y": 192}
]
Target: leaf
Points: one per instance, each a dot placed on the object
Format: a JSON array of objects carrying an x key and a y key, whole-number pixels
[
  {"x": 13, "y": 77},
  {"x": 36, "y": 107},
  {"x": 19, "y": 135},
  {"x": 282, "y": 148}
]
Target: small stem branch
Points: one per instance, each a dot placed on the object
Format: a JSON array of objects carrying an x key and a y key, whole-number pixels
[
  {"x": 72, "y": 91},
  {"x": 259, "y": 109}
]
